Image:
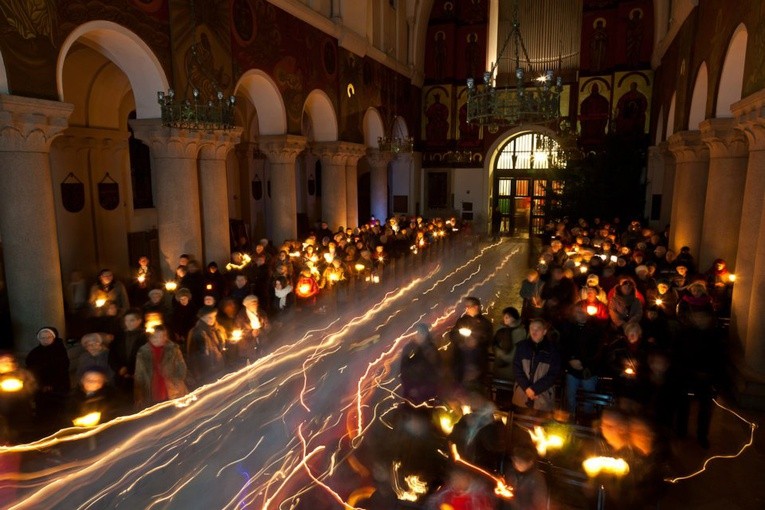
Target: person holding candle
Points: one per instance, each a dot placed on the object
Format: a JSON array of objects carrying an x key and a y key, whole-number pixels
[
  {"x": 205, "y": 347},
  {"x": 93, "y": 394},
  {"x": 160, "y": 371},
  {"x": 582, "y": 339},
  {"x": 283, "y": 297},
  {"x": 531, "y": 293},
  {"x": 626, "y": 305},
  {"x": 17, "y": 387},
  {"x": 421, "y": 367},
  {"x": 107, "y": 289},
  {"x": 95, "y": 353},
  {"x": 471, "y": 338},
  {"x": 124, "y": 350},
  {"x": 254, "y": 324},
  {"x": 183, "y": 316}
]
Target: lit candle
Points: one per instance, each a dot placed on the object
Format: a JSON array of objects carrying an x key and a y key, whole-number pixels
[
  {"x": 100, "y": 302},
  {"x": 236, "y": 335},
  {"x": 376, "y": 279},
  {"x": 171, "y": 286},
  {"x": 89, "y": 420},
  {"x": 629, "y": 371},
  {"x": 592, "y": 309},
  {"x": 328, "y": 257},
  {"x": 731, "y": 277},
  {"x": 659, "y": 301},
  {"x": 596, "y": 465},
  {"x": 359, "y": 267},
  {"x": 11, "y": 384},
  {"x": 141, "y": 278},
  {"x": 255, "y": 323},
  {"x": 304, "y": 289},
  {"x": 208, "y": 286},
  {"x": 465, "y": 331},
  {"x": 582, "y": 269}
]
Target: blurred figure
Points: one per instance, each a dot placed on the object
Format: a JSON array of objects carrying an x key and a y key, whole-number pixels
[
  {"x": 528, "y": 483},
  {"x": 183, "y": 316},
  {"x": 462, "y": 491},
  {"x": 204, "y": 350},
  {"x": 95, "y": 353},
  {"x": 471, "y": 337},
  {"x": 17, "y": 388},
  {"x": 92, "y": 395},
  {"x": 160, "y": 371},
  {"x": 421, "y": 368},
  {"x": 123, "y": 352},
  {"x": 49, "y": 363},
  {"x": 107, "y": 289}
]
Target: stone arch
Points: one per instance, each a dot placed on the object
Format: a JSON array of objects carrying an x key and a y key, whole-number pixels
[
  {"x": 731, "y": 81},
  {"x": 373, "y": 127},
  {"x": 698, "y": 109},
  {"x": 400, "y": 129},
  {"x": 264, "y": 95},
  {"x": 128, "y": 52},
  {"x": 3, "y": 76},
  {"x": 321, "y": 115},
  {"x": 671, "y": 117}
]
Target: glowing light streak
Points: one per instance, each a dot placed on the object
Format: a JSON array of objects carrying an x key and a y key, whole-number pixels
[
  {"x": 171, "y": 493},
  {"x": 237, "y": 461},
  {"x": 752, "y": 427},
  {"x": 416, "y": 486},
  {"x": 88, "y": 420},
  {"x": 501, "y": 488},
  {"x": 544, "y": 442}
]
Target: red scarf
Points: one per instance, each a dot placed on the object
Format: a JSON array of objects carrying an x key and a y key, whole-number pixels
[{"x": 158, "y": 386}]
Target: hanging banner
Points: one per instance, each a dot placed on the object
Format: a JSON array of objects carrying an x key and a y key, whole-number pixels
[
  {"x": 108, "y": 193},
  {"x": 72, "y": 193}
]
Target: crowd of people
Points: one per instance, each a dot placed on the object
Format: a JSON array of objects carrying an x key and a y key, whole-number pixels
[
  {"x": 145, "y": 340},
  {"x": 616, "y": 333}
]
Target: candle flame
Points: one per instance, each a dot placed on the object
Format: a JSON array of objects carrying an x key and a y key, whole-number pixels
[
  {"x": 100, "y": 302},
  {"x": 171, "y": 286},
  {"x": 592, "y": 309},
  {"x": 11, "y": 384},
  {"x": 593, "y": 466},
  {"x": 732, "y": 277},
  {"x": 89, "y": 420},
  {"x": 465, "y": 331},
  {"x": 236, "y": 335},
  {"x": 544, "y": 442},
  {"x": 659, "y": 301}
]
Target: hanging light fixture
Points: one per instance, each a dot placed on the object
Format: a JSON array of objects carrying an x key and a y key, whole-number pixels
[
  {"x": 535, "y": 102},
  {"x": 391, "y": 142},
  {"x": 197, "y": 113}
]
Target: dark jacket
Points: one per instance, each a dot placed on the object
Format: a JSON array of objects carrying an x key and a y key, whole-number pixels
[
  {"x": 50, "y": 367},
  {"x": 122, "y": 353},
  {"x": 470, "y": 362},
  {"x": 205, "y": 352},
  {"x": 537, "y": 366},
  {"x": 420, "y": 371}
]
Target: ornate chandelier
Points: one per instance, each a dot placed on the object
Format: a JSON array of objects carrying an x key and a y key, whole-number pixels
[
  {"x": 393, "y": 142},
  {"x": 536, "y": 102},
  {"x": 199, "y": 113}
]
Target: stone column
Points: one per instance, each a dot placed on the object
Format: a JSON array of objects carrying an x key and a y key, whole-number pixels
[
  {"x": 725, "y": 191},
  {"x": 214, "y": 184},
  {"x": 689, "y": 195},
  {"x": 282, "y": 150},
  {"x": 357, "y": 151},
  {"x": 378, "y": 168},
  {"x": 333, "y": 182},
  {"x": 747, "y": 314},
  {"x": 668, "y": 185},
  {"x": 655, "y": 180},
  {"x": 176, "y": 193},
  {"x": 27, "y": 215}
]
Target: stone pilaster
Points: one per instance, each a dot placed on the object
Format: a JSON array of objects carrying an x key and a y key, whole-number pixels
[
  {"x": 215, "y": 147},
  {"x": 281, "y": 151},
  {"x": 655, "y": 180},
  {"x": 378, "y": 167},
  {"x": 728, "y": 151},
  {"x": 355, "y": 153},
  {"x": 27, "y": 214},
  {"x": 175, "y": 173},
  {"x": 333, "y": 157},
  {"x": 690, "y": 189},
  {"x": 749, "y": 291}
]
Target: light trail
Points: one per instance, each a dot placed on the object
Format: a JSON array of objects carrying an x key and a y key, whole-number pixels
[{"x": 239, "y": 433}]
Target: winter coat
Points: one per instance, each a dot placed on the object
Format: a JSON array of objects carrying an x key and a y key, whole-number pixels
[
  {"x": 173, "y": 371},
  {"x": 506, "y": 339},
  {"x": 204, "y": 351},
  {"x": 537, "y": 366}
]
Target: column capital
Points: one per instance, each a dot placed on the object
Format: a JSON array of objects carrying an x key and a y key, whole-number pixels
[
  {"x": 723, "y": 139},
  {"x": 338, "y": 153},
  {"x": 167, "y": 142},
  {"x": 687, "y": 147},
  {"x": 282, "y": 148},
  {"x": 377, "y": 158},
  {"x": 218, "y": 143},
  {"x": 29, "y": 124},
  {"x": 749, "y": 114}
]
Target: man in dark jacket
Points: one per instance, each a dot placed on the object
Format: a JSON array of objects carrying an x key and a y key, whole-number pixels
[
  {"x": 206, "y": 344},
  {"x": 537, "y": 367},
  {"x": 471, "y": 337},
  {"x": 420, "y": 367},
  {"x": 123, "y": 351}
]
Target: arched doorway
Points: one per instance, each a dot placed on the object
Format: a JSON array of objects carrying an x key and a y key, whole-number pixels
[{"x": 527, "y": 179}]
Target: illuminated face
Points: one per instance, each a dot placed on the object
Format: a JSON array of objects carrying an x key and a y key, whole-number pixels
[
  {"x": 252, "y": 306},
  {"x": 681, "y": 270},
  {"x": 522, "y": 465},
  {"x": 663, "y": 288},
  {"x": 132, "y": 322},
  {"x": 93, "y": 347},
  {"x": 507, "y": 319},
  {"x": 106, "y": 278},
  {"x": 472, "y": 309},
  {"x": 184, "y": 300},
  {"x": 143, "y": 261},
  {"x": 633, "y": 336},
  {"x": 209, "y": 319},
  {"x": 240, "y": 281},
  {"x": 209, "y": 301},
  {"x": 45, "y": 337},
  {"x": 92, "y": 381},
  {"x": 537, "y": 331},
  {"x": 158, "y": 338}
]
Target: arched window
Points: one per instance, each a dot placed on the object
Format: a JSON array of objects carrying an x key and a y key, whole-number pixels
[{"x": 527, "y": 180}]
